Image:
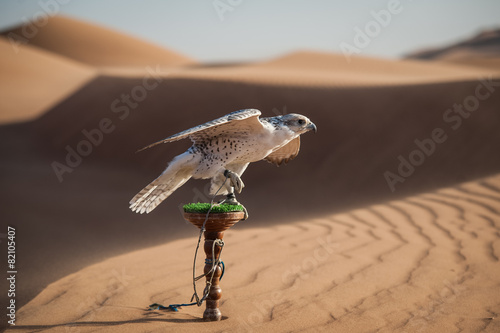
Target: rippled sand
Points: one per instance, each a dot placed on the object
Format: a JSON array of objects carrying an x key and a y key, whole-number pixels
[{"x": 426, "y": 263}]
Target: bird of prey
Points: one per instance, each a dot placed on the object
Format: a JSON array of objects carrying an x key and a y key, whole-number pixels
[{"x": 221, "y": 150}]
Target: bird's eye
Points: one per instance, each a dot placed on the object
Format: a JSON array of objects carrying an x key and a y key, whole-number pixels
[{"x": 301, "y": 121}]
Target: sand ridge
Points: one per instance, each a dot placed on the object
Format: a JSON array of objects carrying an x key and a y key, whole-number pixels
[
  {"x": 322, "y": 70},
  {"x": 484, "y": 45},
  {"x": 98, "y": 46},
  {"x": 48, "y": 77}
]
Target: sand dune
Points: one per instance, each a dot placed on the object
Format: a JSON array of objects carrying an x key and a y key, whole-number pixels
[
  {"x": 425, "y": 263},
  {"x": 315, "y": 69},
  {"x": 98, "y": 46},
  {"x": 333, "y": 63},
  {"x": 319, "y": 70},
  {"x": 304, "y": 69},
  {"x": 486, "y": 44},
  {"x": 482, "y": 50},
  {"x": 492, "y": 64},
  {"x": 49, "y": 78}
]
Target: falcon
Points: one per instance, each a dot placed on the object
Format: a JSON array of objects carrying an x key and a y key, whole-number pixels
[{"x": 222, "y": 150}]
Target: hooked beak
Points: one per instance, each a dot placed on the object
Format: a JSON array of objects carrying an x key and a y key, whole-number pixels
[{"x": 311, "y": 126}]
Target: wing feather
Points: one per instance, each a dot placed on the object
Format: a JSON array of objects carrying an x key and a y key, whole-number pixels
[
  {"x": 286, "y": 153},
  {"x": 242, "y": 120}
]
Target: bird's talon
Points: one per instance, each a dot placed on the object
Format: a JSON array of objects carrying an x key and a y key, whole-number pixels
[{"x": 235, "y": 180}]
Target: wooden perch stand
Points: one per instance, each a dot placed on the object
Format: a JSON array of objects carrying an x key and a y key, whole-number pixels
[{"x": 215, "y": 226}]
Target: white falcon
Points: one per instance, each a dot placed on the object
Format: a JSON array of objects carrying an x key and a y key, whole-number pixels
[{"x": 223, "y": 148}]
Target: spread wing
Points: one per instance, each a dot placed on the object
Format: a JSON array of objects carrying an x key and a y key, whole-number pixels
[
  {"x": 241, "y": 122},
  {"x": 286, "y": 153}
]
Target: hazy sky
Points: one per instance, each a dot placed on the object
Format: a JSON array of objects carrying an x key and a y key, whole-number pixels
[{"x": 260, "y": 29}]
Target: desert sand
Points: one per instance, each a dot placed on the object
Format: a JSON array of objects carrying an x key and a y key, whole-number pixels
[
  {"x": 426, "y": 263},
  {"x": 49, "y": 78},
  {"x": 329, "y": 245}
]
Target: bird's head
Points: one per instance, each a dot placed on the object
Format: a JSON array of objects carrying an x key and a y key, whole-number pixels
[{"x": 298, "y": 123}]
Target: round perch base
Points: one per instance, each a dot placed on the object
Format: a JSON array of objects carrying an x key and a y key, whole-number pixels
[
  {"x": 216, "y": 221},
  {"x": 215, "y": 226}
]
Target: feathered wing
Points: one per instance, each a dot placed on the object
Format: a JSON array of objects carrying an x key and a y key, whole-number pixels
[
  {"x": 241, "y": 121},
  {"x": 175, "y": 175},
  {"x": 286, "y": 153}
]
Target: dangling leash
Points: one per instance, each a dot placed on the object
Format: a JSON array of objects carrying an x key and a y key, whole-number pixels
[{"x": 199, "y": 301}]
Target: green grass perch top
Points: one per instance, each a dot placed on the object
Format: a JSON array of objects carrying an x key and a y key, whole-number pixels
[{"x": 202, "y": 207}]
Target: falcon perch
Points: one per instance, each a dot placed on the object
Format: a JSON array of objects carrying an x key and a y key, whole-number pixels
[{"x": 223, "y": 148}]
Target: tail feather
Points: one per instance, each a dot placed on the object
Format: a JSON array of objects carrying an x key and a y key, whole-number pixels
[{"x": 177, "y": 173}]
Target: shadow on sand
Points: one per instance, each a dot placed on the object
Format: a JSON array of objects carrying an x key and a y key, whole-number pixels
[{"x": 191, "y": 319}]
